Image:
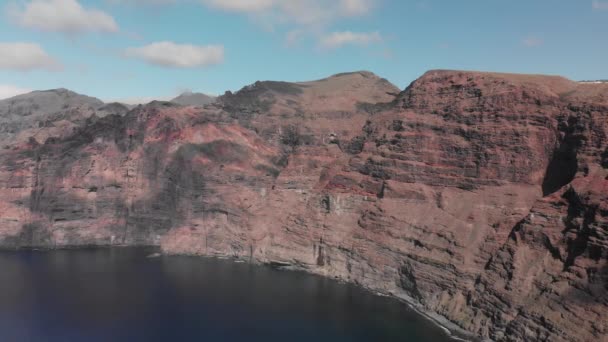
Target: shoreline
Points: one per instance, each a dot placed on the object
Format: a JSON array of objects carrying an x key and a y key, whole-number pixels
[{"x": 450, "y": 328}]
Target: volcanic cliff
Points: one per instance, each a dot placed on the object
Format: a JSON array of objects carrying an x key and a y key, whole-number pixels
[{"x": 481, "y": 197}]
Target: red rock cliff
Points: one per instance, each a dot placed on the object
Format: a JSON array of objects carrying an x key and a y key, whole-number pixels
[{"x": 477, "y": 196}]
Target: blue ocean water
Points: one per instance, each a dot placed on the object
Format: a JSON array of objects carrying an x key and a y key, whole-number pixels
[{"x": 121, "y": 294}]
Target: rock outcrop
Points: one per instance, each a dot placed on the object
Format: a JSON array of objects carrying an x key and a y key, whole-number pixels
[{"x": 481, "y": 197}]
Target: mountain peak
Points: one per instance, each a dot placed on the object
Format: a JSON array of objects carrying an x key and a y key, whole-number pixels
[
  {"x": 44, "y": 102},
  {"x": 58, "y": 91},
  {"x": 54, "y": 93},
  {"x": 364, "y": 73},
  {"x": 189, "y": 98}
]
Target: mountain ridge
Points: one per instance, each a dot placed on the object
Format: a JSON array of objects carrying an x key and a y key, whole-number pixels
[{"x": 193, "y": 99}]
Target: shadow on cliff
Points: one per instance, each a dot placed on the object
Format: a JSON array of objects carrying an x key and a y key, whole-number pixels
[
  {"x": 56, "y": 159},
  {"x": 595, "y": 292},
  {"x": 561, "y": 170},
  {"x": 563, "y": 165},
  {"x": 181, "y": 193},
  {"x": 178, "y": 180},
  {"x": 583, "y": 235}
]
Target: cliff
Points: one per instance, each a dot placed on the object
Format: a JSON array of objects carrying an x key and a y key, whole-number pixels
[{"x": 477, "y": 196}]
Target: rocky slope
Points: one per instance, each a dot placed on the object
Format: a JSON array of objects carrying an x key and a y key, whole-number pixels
[
  {"x": 477, "y": 196},
  {"x": 193, "y": 99},
  {"x": 41, "y": 114}
]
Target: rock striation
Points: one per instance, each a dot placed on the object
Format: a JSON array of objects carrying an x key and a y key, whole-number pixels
[{"x": 481, "y": 197}]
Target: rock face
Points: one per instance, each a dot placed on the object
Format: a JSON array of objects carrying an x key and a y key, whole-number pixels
[{"x": 481, "y": 197}]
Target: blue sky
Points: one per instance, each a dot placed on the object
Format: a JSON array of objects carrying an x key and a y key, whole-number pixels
[{"x": 134, "y": 50}]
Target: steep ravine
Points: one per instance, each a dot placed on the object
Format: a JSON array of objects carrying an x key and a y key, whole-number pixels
[{"x": 479, "y": 197}]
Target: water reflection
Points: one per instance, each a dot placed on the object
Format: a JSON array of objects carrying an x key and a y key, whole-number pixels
[{"x": 121, "y": 295}]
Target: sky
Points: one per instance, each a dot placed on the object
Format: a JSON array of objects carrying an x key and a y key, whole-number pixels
[{"x": 137, "y": 50}]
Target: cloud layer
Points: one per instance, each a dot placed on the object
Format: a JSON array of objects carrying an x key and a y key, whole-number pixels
[
  {"x": 241, "y": 5},
  {"x": 23, "y": 56},
  {"x": 310, "y": 13},
  {"x": 169, "y": 54},
  {"x": 338, "y": 39},
  {"x": 143, "y": 2},
  {"x": 304, "y": 18},
  {"x": 65, "y": 16},
  {"x": 298, "y": 18}
]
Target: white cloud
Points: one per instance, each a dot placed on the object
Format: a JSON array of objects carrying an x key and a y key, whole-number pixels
[
  {"x": 599, "y": 5},
  {"x": 143, "y": 2},
  {"x": 7, "y": 90},
  {"x": 169, "y": 54},
  {"x": 356, "y": 7},
  {"x": 25, "y": 57},
  {"x": 532, "y": 41},
  {"x": 308, "y": 13},
  {"x": 66, "y": 16},
  {"x": 298, "y": 18},
  {"x": 338, "y": 39},
  {"x": 287, "y": 9},
  {"x": 241, "y": 5}
]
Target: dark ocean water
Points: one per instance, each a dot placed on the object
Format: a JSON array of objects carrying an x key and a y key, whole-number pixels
[{"x": 121, "y": 295}]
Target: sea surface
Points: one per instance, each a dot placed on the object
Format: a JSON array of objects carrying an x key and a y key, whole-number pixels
[{"x": 121, "y": 294}]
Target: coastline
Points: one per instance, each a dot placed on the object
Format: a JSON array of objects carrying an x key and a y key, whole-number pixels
[{"x": 451, "y": 330}]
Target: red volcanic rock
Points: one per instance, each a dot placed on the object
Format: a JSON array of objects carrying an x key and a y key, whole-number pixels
[{"x": 480, "y": 197}]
